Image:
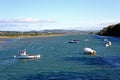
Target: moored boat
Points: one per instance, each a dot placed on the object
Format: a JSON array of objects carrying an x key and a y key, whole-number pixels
[
  {"x": 73, "y": 41},
  {"x": 89, "y": 51},
  {"x": 23, "y": 55},
  {"x": 108, "y": 43}
]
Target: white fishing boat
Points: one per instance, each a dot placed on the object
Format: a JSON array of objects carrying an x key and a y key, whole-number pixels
[
  {"x": 23, "y": 55},
  {"x": 89, "y": 51}
]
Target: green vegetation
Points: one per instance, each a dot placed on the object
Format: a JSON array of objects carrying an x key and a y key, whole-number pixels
[
  {"x": 15, "y": 34},
  {"x": 44, "y": 33},
  {"x": 112, "y": 30}
]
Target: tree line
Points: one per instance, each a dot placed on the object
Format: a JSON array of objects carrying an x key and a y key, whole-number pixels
[
  {"x": 17, "y": 33},
  {"x": 111, "y": 30}
]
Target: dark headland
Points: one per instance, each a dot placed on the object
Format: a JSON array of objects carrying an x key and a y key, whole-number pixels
[{"x": 111, "y": 30}]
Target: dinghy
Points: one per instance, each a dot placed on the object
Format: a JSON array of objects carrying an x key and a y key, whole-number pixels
[
  {"x": 89, "y": 51},
  {"x": 73, "y": 41}
]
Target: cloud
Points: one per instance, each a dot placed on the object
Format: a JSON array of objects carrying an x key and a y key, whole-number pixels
[
  {"x": 28, "y": 24},
  {"x": 26, "y": 20},
  {"x": 97, "y": 25},
  {"x": 109, "y": 22},
  {"x": 20, "y": 27},
  {"x": 24, "y": 24}
]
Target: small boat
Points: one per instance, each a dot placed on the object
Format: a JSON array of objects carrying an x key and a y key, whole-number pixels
[
  {"x": 23, "y": 55},
  {"x": 74, "y": 41},
  {"x": 108, "y": 43},
  {"x": 89, "y": 51}
]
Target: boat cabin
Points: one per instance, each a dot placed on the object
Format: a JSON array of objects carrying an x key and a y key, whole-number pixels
[{"x": 23, "y": 52}]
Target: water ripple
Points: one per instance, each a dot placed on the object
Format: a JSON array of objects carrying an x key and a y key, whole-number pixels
[{"x": 114, "y": 61}]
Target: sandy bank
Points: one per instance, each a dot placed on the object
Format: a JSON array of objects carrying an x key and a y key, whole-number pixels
[{"x": 29, "y": 36}]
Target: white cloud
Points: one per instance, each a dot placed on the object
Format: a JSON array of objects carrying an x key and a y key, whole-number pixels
[
  {"x": 24, "y": 24},
  {"x": 26, "y": 20},
  {"x": 28, "y": 24},
  {"x": 97, "y": 25}
]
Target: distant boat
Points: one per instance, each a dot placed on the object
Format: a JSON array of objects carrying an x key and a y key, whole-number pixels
[
  {"x": 108, "y": 43},
  {"x": 73, "y": 41},
  {"x": 23, "y": 55},
  {"x": 89, "y": 51}
]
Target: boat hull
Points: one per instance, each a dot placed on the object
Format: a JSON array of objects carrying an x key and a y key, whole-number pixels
[
  {"x": 74, "y": 41},
  {"x": 27, "y": 56},
  {"x": 89, "y": 51},
  {"x": 108, "y": 44}
]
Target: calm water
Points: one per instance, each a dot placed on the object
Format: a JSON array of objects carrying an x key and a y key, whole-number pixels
[{"x": 60, "y": 60}]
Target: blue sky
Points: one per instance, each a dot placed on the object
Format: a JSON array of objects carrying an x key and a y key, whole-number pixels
[{"x": 25, "y": 15}]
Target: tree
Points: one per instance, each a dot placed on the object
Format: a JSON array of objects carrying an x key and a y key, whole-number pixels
[{"x": 112, "y": 30}]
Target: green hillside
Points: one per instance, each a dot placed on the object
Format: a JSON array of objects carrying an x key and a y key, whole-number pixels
[{"x": 112, "y": 30}]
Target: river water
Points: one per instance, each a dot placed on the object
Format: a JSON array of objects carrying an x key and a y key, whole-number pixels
[{"x": 60, "y": 60}]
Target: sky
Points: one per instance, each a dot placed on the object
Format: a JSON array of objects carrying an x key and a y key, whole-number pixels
[{"x": 27, "y": 15}]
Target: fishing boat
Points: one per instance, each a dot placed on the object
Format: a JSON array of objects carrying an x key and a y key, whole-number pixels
[
  {"x": 89, "y": 51},
  {"x": 23, "y": 55},
  {"x": 73, "y": 41}
]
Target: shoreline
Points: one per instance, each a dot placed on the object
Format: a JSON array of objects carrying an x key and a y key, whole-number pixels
[{"x": 29, "y": 36}]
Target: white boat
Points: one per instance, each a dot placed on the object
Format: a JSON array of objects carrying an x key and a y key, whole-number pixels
[
  {"x": 23, "y": 55},
  {"x": 89, "y": 51},
  {"x": 108, "y": 43},
  {"x": 73, "y": 41}
]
